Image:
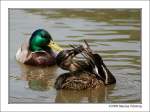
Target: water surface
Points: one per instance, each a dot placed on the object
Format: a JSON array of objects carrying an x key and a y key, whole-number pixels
[{"x": 115, "y": 34}]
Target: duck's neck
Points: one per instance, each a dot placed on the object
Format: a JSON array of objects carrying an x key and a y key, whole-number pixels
[{"x": 35, "y": 48}]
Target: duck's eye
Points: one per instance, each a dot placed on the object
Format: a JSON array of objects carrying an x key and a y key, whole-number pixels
[{"x": 45, "y": 36}]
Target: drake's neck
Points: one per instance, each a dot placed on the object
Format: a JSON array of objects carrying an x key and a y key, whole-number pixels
[
  {"x": 34, "y": 48},
  {"x": 40, "y": 49}
]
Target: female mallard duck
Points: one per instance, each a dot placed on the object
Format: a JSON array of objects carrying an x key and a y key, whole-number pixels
[
  {"x": 89, "y": 73},
  {"x": 40, "y": 49}
]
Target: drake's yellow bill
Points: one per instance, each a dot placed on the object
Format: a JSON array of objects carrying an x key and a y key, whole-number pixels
[{"x": 55, "y": 47}]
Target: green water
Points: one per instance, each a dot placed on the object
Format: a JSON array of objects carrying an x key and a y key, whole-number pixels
[{"x": 113, "y": 33}]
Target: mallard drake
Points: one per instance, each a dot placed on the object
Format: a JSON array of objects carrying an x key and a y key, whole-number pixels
[
  {"x": 89, "y": 73},
  {"x": 39, "y": 49}
]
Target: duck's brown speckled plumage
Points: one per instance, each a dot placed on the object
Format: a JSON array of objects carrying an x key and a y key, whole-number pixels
[
  {"x": 77, "y": 81},
  {"x": 83, "y": 74}
]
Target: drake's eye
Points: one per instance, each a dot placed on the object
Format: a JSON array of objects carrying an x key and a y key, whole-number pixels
[{"x": 44, "y": 36}]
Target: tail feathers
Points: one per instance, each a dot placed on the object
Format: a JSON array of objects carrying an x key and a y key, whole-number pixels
[{"x": 110, "y": 79}]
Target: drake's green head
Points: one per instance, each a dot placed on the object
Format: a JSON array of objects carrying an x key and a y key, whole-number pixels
[{"x": 41, "y": 40}]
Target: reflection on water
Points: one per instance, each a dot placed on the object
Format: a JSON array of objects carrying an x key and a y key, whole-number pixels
[
  {"x": 39, "y": 78},
  {"x": 115, "y": 34},
  {"x": 95, "y": 95}
]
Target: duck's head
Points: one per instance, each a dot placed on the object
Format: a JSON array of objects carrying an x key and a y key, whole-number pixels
[
  {"x": 65, "y": 58},
  {"x": 41, "y": 40}
]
